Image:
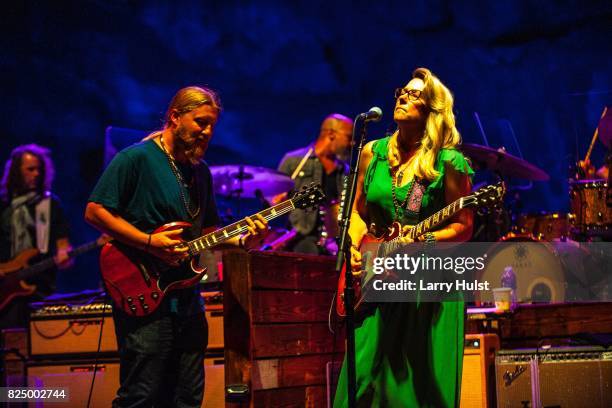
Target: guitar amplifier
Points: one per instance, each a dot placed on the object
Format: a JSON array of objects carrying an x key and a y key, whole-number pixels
[
  {"x": 13, "y": 356},
  {"x": 478, "y": 376},
  {"x": 214, "y": 317},
  {"x": 560, "y": 377},
  {"x": 72, "y": 330},
  {"x": 77, "y": 376}
]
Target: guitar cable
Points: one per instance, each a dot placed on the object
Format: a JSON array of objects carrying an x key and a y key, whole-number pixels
[{"x": 95, "y": 365}]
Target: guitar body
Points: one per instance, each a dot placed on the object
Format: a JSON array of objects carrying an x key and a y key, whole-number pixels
[
  {"x": 10, "y": 284},
  {"x": 393, "y": 232},
  {"x": 137, "y": 281},
  {"x": 490, "y": 195}
]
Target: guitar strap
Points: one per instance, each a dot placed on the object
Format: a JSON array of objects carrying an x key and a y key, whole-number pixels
[
  {"x": 413, "y": 207},
  {"x": 22, "y": 222}
]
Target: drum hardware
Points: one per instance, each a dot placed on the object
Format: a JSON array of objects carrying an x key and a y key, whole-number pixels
[{"x": 243, "y": 181}]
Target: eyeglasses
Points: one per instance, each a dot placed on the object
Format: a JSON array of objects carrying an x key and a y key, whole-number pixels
[{"x": 413, "y": 94}]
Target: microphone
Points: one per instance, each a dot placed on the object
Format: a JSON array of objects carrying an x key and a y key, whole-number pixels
[{"x": 373, "y": 115}]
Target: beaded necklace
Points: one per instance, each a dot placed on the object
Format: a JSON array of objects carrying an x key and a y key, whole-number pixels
[{"x": 181, "y": 182}]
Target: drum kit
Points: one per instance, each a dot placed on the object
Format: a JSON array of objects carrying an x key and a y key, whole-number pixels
[
  {"x": 554, "y": 269},
  {"x": 589, "y": 217}
]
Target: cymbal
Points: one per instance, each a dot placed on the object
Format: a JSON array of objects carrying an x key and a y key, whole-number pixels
[
  {"x": 239, "y": 180},
  {"x": 502, "y": 162},
  {"x": 605, "y": 129}
]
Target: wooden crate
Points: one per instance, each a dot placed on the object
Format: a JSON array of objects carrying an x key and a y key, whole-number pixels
[{"x": 276, "y": 308}]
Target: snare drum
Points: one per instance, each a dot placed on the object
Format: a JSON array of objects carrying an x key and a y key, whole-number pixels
[
  {"x": 538, "y": 270},
  {"x": 590, "y": 214}
]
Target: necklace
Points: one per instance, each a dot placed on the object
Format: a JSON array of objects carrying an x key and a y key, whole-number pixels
[
  {"x": 397, "y": 204},
  {"x": 181, "y": 182}
]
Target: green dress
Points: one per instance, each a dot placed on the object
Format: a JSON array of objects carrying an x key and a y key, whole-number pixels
[{"x": 407, "y": 354}]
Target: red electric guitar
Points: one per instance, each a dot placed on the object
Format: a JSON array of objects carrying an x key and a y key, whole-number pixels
[
  {"x": 138, "y": 282},
  {"x": 389, "y": 241},
  {"x": 14, "y": 273}
]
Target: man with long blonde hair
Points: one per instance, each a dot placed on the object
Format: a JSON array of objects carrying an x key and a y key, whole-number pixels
[{"x": 161, "y": 180}]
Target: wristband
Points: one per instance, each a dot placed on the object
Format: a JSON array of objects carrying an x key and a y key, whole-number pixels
[{"x": 148, "y": 244}]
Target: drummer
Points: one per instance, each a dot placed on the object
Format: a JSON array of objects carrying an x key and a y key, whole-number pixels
[
  {"x": 320, "y": 162},
  {"x": 589, "y": 172}
]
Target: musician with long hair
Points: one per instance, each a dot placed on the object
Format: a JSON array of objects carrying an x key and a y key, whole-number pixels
[
  {"x": 410, "y": 354},
  {"x": 31, "y": 217},
  {"x": 161, "y": 180}
]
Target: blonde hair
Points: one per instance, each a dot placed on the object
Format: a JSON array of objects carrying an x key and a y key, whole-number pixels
[
  {"x": 186, "y": 100},
  {"x": 440, "y": 131}
]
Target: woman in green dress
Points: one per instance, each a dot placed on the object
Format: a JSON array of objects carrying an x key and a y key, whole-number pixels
[{"x": 410, "y": 354}]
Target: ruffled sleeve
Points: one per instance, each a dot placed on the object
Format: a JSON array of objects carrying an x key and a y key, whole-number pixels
[{"x": 456, "y": 159}]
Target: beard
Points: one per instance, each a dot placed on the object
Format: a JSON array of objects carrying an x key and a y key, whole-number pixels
[{"x": 191, "y": 146}]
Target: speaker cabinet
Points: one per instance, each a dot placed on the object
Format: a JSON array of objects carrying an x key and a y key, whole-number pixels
[
  {"x": 214, "y": 382},
  {"x": 214, "y": 317},
  {"x": 567, "y": 377},
  {"x": 75, "y": 335},
  {"x": 14, "y": 344},
  {"x": 77, "y": 377},
  {"x": 477, "y": 378}
]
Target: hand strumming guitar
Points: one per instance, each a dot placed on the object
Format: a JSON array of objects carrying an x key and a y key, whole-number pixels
[{"x": 168, "y": 246}]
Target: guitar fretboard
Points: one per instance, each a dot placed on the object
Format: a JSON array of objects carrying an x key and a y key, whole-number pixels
[
  {"x": 240, "y": 227},
  {"x": 436, "y": 219},
  {"x": 422, "y": 227}
]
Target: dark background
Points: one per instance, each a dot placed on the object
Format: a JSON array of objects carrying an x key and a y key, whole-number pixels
[{"x": 538, "y": 69}]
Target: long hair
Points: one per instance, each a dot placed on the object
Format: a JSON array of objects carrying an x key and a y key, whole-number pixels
[
  {"x": 186, "y": 100},
  {"x": 440, "y": 131},
  {"x": 12, "y": 179}
]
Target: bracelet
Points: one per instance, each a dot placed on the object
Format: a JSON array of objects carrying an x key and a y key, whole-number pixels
[
  {"x": 430, "y": 238},
  {"x": 148, "y": 244}
]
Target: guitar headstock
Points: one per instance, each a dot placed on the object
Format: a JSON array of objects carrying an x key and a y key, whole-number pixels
[
  {"x": 487, "y": 196},
  {"x": 308, "y": 197}
]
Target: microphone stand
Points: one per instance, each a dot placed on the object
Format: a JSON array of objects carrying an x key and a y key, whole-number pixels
[{"x": 344, "y": 254}]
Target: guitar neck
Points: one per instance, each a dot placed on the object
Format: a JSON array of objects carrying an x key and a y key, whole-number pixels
[
  {"x": 240, "y": 227},
  {"x": 49, "y": 262},
  {"x": 436, "y": 219}
]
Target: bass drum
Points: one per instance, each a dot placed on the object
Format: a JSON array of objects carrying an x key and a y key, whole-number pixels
[{"x": 537, "y": 268}]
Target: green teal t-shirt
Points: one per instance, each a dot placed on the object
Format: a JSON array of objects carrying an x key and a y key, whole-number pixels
[{"x": 139, "y": 186}]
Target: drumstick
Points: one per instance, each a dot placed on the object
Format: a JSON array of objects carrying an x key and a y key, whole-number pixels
[{"x": 588, "y": 155}]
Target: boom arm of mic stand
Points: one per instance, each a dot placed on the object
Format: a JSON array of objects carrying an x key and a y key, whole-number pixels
[{"x": 344, "y": 255}]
